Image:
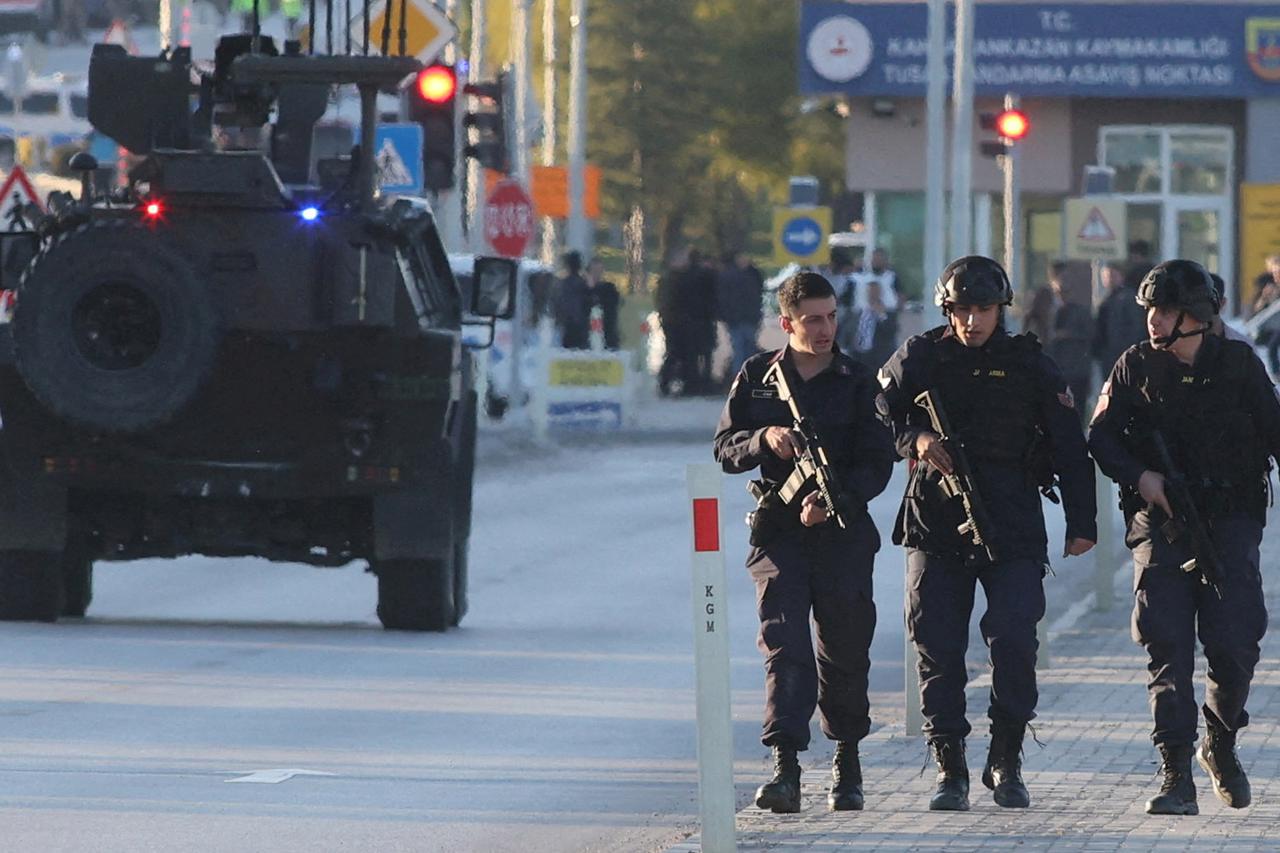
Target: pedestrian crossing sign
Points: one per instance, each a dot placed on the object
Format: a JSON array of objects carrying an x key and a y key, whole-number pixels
[
  {"x": 397, "y": 158},
  {"x": 1096, "y": 229}
]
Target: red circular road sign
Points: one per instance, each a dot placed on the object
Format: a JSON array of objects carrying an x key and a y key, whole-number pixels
[{"x": 508, "y": 219}]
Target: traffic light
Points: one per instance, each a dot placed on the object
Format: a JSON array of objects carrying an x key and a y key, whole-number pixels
[
  {"x": 1010, "y": 125},
  {"x": 488, "y": 144},
  {"x": 432, "y": 101}
]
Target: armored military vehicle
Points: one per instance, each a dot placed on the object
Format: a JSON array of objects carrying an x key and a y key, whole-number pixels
[{"x": 243, "y": 352}]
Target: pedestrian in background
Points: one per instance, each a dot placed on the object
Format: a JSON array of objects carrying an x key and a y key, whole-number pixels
[
  {"x": 1138, "y": 264},
  {"x": 843, "y": 273},
  {"x": 702, "y": 318},
  {"x": 603, "y": 294},
  {"x": 673, "y": 300},
  {"x": 1010, "y": 411},
  {"x": 739, "y": 295},
  {"x": 1267, "y": 288},
  {"x": 810, "y": 565},
  {"x": 1071, "y": 333},
  {"x": 1119, "y": 322},
  {"x": 877, "y": 287},
  {"x": 1210, "y": 402},
  {"x": 573, "y": 304}
]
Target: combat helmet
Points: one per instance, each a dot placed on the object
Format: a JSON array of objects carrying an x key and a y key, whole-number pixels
[
  {"x": 1180, "y": 284},
  {"x": 973, "y": 280}
]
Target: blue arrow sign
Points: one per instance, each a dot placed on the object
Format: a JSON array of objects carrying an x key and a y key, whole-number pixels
[
  {"x": 397, "y": 158},
  {"x": 801, "y": 236}
]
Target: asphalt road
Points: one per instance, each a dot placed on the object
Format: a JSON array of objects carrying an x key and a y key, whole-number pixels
[{"x": 558, "y": 718}]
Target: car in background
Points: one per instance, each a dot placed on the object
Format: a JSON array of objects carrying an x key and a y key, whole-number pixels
[{"x": 26, "y": 16}]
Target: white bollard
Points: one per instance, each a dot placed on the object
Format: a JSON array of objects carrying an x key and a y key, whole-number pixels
[{"x": 711, "y": 659}]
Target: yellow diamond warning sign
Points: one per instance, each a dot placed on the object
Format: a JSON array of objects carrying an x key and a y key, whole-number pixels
[{"x": 1096, "y": 229}]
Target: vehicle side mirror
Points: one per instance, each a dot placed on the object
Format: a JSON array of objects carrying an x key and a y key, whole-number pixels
[{"x": 493, "y": 288}]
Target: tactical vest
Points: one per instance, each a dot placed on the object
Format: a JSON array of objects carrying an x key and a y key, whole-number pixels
[
  {"x": 1210, "y": 432},
  {"x": 990, "y": 397}
]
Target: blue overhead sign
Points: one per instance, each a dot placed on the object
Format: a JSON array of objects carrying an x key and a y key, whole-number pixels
[
  {"x": 1169, "y": 50},
  {"x": 397, "y": 158}
]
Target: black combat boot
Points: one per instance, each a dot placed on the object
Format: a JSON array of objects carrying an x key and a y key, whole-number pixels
[
  {"x": 1178, "y": 791},
  {"x": 953, "y": 776},
  {"x": 1003, "y": 773},
  {"x": 781, "y": 794},
  {"x": 846, "y": 778},
  {"x": 1217, "y": 755}
]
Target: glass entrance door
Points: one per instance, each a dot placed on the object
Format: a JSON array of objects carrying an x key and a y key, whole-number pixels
[{"x": 1196, "y": 230}]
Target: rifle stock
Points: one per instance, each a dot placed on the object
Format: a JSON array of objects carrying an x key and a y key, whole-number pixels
[{"x": 959, "y": 483}]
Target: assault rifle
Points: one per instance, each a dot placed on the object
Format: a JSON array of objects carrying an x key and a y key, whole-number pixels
[
  {"x": 813, "y": 467},
  {"x": 1186, "y": 522},
  {"x": 959, "y": 483}
]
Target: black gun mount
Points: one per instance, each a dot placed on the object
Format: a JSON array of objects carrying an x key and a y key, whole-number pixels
[{"x": 144, "y": 103}]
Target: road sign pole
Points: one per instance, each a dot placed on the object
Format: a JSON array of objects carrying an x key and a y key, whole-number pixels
[
  {"x": 548, "y": 117},
  {"x": 1013, "y": 208},
  {"x": 935, "y": 235},
  {"x": 476, "y": 192},
  {"x": 962, "y": 133},
  {"x": 576, "y": 236},
  {"x": 520, "y": 61},
  {"x": 711, "y": 661}
]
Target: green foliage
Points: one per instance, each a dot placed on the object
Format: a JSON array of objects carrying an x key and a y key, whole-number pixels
[{"x": 693, "y": 113}]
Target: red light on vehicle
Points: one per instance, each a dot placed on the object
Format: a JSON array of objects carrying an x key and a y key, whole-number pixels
[
  {"x": 153, "y": 209},
  {"x": 1013, "y": 124},
  {"x": 437, "y": 83}
]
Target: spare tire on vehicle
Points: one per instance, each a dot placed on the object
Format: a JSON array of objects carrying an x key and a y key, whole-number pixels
[{"x": 113, "y": 329}]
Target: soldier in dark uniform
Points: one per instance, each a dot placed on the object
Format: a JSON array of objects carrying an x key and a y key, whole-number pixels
[
  {"x": 810, "y": 564},
  {"x": 1208, "y": 398},
  {"x": 1013, "y": 414}
]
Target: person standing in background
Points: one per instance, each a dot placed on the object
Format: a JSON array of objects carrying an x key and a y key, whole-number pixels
[
  {"x": 573, "y": 308},
  {"x": 739, "y": 291},
  {"x": 1120, "y": 322},
  {"x": 1267, "y": 286},
  {"x": 1070, "y": 333},
  {"x": 603, "y": 294}
]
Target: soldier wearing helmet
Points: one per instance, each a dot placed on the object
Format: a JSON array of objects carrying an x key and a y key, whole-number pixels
[
  {"x": 1208, "y": 399},
  {"x": 1012, "y": 414}
]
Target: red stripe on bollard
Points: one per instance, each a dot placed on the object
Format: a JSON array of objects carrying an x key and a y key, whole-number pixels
[{"x": 706, "y": 524}]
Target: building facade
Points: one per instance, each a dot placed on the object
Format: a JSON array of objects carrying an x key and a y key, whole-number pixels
[{"x": 1181, "y": 100}]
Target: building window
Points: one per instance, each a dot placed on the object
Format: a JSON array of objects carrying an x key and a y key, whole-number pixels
[
  {"x": 1199, "y": 162},
  {"x": 1135, "y": 155}
]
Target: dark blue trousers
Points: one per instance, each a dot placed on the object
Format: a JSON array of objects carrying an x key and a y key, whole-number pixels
[
  {"x": 1171, "y": 606},
  {"x": 940, "y": 592},
  {"x": 825, "y": 572}
]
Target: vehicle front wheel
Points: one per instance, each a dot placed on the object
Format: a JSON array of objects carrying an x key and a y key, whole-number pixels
[{"x": 415, "y": 595}]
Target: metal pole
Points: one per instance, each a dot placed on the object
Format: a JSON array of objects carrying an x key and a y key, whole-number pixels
[
  {"x": 165, "y": 24},
  {"x": 1013, "y": 209},
  {"x": 520, "y": 60},
  {"x": 962, "y": 133},
  {"x": 711, "y": 661},
  {"x": 548, "y": 117},
  {"x": 935, "y": 238},
  {"x": 450, "y": 209},
  {"x": 475, "y": 209},
  {"x": 577, "y": 232}
]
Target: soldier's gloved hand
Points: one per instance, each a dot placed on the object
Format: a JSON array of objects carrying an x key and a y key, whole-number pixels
[
  {"x": 1151, "y": 487},
  {"x": 783, "y": 441},
  {"x": 1077, "y": 546},
  {"x": 930, "y": 450},
  {"x": 812, "y": 512}
]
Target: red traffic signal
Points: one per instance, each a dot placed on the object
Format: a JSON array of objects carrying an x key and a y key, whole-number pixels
[
  {"x": 1013, "y": 125},
  {"x": 436, "y": 84}
]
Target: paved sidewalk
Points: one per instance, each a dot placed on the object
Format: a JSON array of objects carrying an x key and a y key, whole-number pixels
[{"x": 1088, "y": 784}]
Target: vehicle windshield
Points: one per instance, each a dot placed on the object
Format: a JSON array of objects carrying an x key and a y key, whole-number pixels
[{"x": 41, "y": 104}]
